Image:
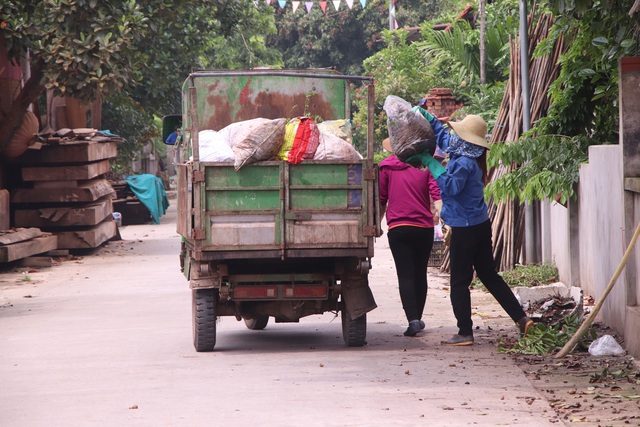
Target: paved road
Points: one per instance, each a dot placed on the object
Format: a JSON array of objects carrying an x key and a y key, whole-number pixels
[{"x": 105, "y": 340}]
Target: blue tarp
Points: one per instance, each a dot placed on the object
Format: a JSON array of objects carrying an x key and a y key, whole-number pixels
[{"x": 150, "y": 190}]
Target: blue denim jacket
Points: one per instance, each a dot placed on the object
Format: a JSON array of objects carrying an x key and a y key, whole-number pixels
[{"x": 461, "y": 187}]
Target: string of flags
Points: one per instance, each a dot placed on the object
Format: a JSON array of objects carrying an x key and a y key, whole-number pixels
[{"x": 309, "y": 4}]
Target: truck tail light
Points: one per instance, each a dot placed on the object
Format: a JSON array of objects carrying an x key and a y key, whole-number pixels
[
  {"x": 255, "y": 292},
  {"x": 307, "y": 291}
]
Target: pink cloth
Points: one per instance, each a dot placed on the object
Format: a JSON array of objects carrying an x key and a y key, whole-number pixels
[{"x": 407, "y": 192}]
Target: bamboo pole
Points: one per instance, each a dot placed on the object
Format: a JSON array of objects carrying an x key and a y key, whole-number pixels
[
  {"x": 569, "y": 346},
  {"x": 508, "y": 217}
]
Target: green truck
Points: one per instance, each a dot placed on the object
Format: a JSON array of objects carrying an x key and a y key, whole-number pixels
[{"x": 274, "y": 239}]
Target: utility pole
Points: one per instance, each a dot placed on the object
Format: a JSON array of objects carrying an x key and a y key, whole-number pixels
[
  {"x": 483, "y": 73},
  {"x": 392, "y": 15},
  {"x": 530, "y": 217}
]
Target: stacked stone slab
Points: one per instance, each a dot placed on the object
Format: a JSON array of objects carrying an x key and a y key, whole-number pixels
[{"x": 64, "y": 190}]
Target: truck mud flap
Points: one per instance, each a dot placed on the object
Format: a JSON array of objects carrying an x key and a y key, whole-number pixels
[{"x": 358, "y": 298}]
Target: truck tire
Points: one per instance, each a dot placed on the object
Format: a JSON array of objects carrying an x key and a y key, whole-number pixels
[
  {"x": 354, "y": 331},
  {"x": 204, "y": 302},
  {"x": 257, "y": 323}
]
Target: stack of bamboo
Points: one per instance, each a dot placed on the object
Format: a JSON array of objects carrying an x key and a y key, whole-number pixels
[{"x": 508, "y": 217}]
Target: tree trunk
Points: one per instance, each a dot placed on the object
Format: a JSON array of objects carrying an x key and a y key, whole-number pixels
[{"x": 27, "y": 96}]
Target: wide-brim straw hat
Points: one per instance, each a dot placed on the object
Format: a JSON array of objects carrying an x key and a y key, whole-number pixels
[
  {"x": 386, "y": 144},
  {"x": 472, "y": 129}
]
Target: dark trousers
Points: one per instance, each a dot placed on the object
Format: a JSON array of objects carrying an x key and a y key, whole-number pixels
[
  {"x": 411, "y": 248},
  {"x": 471, "y": 248}
]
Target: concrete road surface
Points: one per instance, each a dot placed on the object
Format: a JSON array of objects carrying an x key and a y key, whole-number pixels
[{"x": 105, "y": 340}]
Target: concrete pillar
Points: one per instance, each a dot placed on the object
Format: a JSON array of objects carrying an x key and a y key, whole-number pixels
[{"x": 629, "y": 107}]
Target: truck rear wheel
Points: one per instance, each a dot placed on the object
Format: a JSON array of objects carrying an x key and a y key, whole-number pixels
[
  {"x": 257, "y": 323},
  {"x": 204, "y": 302},
  {"x": 354, "y": 331}
]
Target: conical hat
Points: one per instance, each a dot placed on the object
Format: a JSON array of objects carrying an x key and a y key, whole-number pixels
[
  {"x": 472, "y": 129},
  {"x": 386, "y": 144}
]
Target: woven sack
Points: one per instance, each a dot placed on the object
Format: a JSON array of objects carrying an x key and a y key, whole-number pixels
[
  {"x": 23, "y": 137},
  {"x": 409, "y": 131}
]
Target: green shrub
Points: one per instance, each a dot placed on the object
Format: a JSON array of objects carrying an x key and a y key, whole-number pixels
[{"x": 527, "y": 275}]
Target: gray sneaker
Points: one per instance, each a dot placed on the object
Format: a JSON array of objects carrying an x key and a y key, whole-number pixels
[
  {"x": 413, "y": 329},
  {"x": 458, "y": 340}
]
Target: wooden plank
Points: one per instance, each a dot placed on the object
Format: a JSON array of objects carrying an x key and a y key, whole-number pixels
[
  {"x": 27, "y": 248},
  {"x": 71, "y": 152},
  {"x": 8, "y": 238},
  {"x": 65, "y": 216},
  {"x": 58, "y": 253},
  {"x": 5, "y": 215},
  {"x": 65, "y": 172},
  {"x": 87, "y": 191},
  {"x": 55, "y": 184},
  {"x": 36, "y": 261},
  {"x": 88, "y": 238}
]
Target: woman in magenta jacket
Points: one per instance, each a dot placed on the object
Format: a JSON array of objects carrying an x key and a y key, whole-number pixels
[{"x": 405, "y": 196}]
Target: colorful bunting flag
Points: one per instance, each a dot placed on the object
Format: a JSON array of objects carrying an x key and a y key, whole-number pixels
[{"x": 322, "y": 3}]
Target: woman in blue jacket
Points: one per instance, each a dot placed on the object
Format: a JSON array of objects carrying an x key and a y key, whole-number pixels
[{"x": 465, "y": 211}]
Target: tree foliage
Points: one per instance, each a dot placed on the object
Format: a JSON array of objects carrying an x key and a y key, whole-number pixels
[
  {"x": 342, "y": 39},
  {"x": 397, "y": 70},
  {"x": 446, "y": 58},
  {"x": 195, "y": 34},
  {"x": 85, "y": 47},
  {"x": 458, "y": 50},
  {"x": 123, "y": 117},
  {"x": 90, "y": 48},
  {"x": 549, "y": 168},
  {"x": 584, "y": 101}
]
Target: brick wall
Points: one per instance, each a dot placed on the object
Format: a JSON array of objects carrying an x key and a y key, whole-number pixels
[{"x": 441, "y": 102}]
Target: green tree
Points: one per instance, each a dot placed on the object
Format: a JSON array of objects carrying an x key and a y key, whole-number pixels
[
  {"x": 342, "y": 39},
  {"x": 81, "y": 48},
  {"x": 398, "y": 69},
  {"x": 584, "y": 101},
  {"x": 195, "y": 34},
  {"x": 90, "y": 48}
]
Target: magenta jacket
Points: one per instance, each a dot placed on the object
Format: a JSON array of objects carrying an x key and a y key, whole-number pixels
[{"x": 407, "y": 192}]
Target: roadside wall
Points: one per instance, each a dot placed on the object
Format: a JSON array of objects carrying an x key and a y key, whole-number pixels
[
  {"x": 588, "y": 237},
  {"x": 601, "y": 231}
]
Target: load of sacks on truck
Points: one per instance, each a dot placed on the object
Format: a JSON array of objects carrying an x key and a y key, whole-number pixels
[{"x": 292, "y": 140}]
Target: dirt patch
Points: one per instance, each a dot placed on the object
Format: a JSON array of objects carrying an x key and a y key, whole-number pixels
[{"x": 591, "y": 391}]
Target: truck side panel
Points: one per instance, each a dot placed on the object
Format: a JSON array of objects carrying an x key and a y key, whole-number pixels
[{"x": 278, "y": 206}]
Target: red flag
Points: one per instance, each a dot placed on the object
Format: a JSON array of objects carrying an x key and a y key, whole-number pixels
[{"x": 323, "y": 6}]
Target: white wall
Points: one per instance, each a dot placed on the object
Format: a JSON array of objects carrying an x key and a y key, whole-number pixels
[
  {"x": 601, "y": 230},
  {"x": 594, "y": 242}
]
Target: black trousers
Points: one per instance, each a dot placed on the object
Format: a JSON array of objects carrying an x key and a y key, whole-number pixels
[
  {"x": 411, "y": 248},
  {"x": 471, "y": 248}
]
